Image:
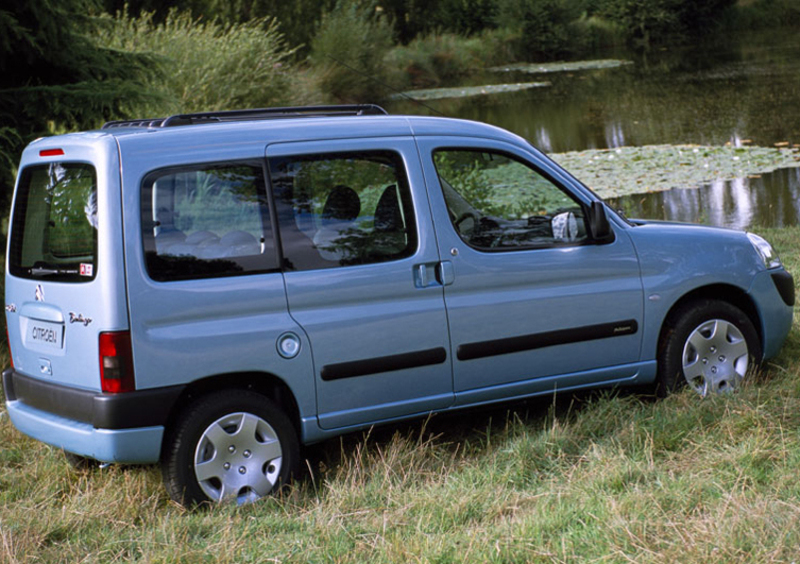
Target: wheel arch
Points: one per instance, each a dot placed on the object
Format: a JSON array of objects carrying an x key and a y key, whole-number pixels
[
  {"x": 723, "y": 292},
  {"x": 264, "y": 383}
]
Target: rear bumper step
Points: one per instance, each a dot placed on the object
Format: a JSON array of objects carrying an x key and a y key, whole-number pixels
[{"x": 129, "y": 410}]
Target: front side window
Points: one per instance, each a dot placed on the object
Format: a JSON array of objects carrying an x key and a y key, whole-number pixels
[
  {"x": 206, "y": 221},
  {"x": 343, "y": 209},
  {"x": 496, "y": 202},
  {"x": 54, "y": 234}
]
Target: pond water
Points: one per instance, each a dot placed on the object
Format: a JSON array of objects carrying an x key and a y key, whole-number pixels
[{"x": 737, "y": 90}]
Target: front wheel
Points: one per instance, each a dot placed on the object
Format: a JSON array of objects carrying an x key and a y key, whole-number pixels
[
  {"x": 231, "y": 446},
  {"x": 708, "y": 345}
]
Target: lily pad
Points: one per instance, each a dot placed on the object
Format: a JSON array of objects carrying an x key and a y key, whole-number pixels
[
  {"x": 466, "y": 91},
  {"x": 563, "y": 66},
  {"x": 653, "y": 168}
]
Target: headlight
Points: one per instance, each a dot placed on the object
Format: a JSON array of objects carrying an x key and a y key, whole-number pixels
[{"x": 765, "y": 251}]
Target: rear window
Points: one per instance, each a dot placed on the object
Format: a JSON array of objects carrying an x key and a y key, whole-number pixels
[{"x": 54, "y": 233}]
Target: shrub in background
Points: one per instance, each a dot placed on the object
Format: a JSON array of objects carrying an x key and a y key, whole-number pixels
[
  {"x": 348, "y": 50},
  {"x": 649, "y": 21},
  {"x": 544, "y": 26},
  {"x": 433, "y": 60},
  {"x": 208, "y": 65}
]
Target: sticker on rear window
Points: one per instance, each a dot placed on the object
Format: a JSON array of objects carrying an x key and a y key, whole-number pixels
[{"x": 86, "y": 269}]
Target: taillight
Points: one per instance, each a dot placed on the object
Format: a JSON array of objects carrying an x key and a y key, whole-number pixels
[{"x": 116, "y": 362}]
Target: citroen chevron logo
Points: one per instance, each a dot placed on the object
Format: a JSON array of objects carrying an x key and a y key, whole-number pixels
[{"x": 39, "y": 293}]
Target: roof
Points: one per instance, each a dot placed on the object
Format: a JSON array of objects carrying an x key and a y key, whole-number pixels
[{"x": 228, "y": 132}]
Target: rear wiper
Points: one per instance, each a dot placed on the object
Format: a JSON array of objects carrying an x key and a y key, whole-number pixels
[{"x": 42, "y": 271}]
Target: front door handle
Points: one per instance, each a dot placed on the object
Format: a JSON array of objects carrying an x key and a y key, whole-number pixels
[{"x": 445, "y": 274}]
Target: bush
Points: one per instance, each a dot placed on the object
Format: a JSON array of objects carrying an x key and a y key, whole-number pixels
[
  {"x": 648, "y": 21},
  {"x": 434, "y": 60},
  {"x": 207, "y": 65},
  {"x": 347, "y": 53},
  {"x": 544, "y": 26}
]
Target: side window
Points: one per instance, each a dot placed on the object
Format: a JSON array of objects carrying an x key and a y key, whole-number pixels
[
  {"x": 343, "y": 209},
  {"x": 206, "y": 221},
  {"x": 499, "y": 203}
]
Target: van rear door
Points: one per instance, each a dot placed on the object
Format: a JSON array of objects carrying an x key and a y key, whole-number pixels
[{"x": 64, "y": 282}]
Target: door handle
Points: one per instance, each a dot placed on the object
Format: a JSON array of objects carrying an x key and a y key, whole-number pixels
[
  {"x": 433, "y": 274},
  {"x": 445, "y": 274},
  {"x": 425, "y": 275}
]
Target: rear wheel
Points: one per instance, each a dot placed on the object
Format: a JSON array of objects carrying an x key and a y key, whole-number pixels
[
  {"x": 708, "y": 345},
  {"x": 231, "y": 446}
]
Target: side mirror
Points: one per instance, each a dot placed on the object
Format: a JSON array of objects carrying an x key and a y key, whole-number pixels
[{"x": 598, "y": 224}]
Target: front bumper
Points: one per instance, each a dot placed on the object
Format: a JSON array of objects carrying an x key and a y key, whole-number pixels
[
  {"x": 773, "y": 293},
  {"x": 126, "y": 427}
]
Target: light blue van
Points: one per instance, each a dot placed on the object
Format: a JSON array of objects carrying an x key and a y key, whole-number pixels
[{"x": 210, "y": 291}]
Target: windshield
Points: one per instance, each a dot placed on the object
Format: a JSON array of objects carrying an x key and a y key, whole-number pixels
[{"x": 54, "y": 232}]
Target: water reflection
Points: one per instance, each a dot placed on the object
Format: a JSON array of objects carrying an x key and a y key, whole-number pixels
[
  {"x": 771, "y": 200},
  {"x": 728, "y": 90},
  {"x": 736, "y": 90}
]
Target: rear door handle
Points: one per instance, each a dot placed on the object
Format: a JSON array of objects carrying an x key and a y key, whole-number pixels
[
  {"x": 433, "y": 274},
  {"x": 425, "y": 275}
]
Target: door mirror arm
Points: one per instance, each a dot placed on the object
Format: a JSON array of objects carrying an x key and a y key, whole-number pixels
[{"x": 599, "y": 226}]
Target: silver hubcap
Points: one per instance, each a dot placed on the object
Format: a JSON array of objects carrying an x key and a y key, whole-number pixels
[
  {"x": 715, "y": 357},
  {"x": 238, "y": 458}
]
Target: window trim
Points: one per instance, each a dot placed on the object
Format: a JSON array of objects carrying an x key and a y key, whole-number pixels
[
  {"x": 585, "y": 207},
  {"x": 264, "y": 193}
]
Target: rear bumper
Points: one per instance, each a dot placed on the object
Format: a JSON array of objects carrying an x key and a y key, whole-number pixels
[
  {"x": 134, "y": 446},
  {"x": 126, "y": 427}
]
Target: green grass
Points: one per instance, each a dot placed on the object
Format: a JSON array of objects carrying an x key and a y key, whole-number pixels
[{"x": 603, "y": 477}]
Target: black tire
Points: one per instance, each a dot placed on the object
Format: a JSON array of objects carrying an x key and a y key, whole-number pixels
[
  {"x": 689, "y": 354},
  {"x": 232, "y": 445}
]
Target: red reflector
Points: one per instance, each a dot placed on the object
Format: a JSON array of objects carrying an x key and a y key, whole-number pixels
[
  {"x": 51, "y": 152},
  {"x": 116, "y": 362}
]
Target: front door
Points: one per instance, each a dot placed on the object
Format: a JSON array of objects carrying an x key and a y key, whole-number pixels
[
  {"x": 534, "y": 303},
  {"x": 359, "y": 258}
]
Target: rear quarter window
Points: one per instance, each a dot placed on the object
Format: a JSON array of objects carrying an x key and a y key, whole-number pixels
[
  {"x": 206, "y": 221},
  {"x": 54, "y": 229}
]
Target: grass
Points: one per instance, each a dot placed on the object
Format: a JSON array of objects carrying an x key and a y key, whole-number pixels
[{"x": 601, "y": 477}]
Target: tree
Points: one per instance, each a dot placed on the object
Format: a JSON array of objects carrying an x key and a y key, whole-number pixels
[{"x": 52, "y": 76}]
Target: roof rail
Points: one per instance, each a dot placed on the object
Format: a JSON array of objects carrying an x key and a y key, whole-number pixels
[{"x": 249, "y": 115}]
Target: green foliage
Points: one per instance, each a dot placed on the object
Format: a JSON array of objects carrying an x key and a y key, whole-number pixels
[
  {"x": 647, "y": 21},
  {"x": 53, "y": 76},
  {"x": 298, "y": 18},
  {"x": 545, "y": 25},
  {"x": 207, "y": 65},
  {"x": 416, "y": 18},
  {"x": 435, "y": 59},
  {"x": 347, "y": 53}
]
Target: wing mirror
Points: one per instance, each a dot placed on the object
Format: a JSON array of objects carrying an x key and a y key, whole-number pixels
[{"x": 598, "y": 223}]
